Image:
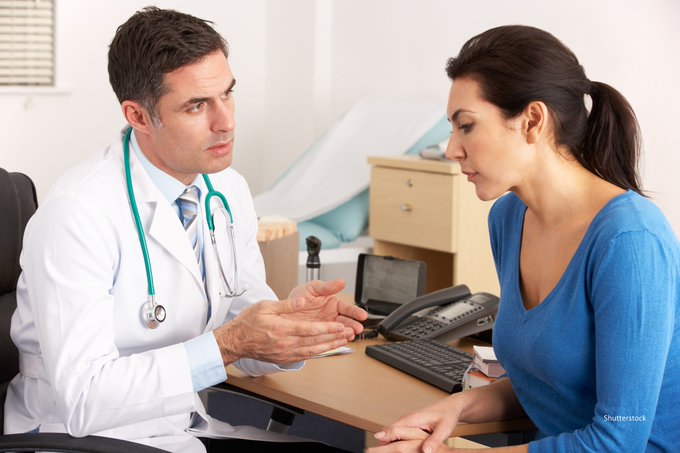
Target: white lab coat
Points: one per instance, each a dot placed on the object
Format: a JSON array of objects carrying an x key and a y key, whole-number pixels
[{"x": 88, "y": 363}]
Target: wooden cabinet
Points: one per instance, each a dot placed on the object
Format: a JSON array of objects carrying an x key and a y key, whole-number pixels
[{"x": 426, "y": 210}]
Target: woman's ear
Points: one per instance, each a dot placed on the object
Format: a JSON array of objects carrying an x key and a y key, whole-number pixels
[
  {"x": 535, "y": 124},
  {"x": 137, "y": 116}
]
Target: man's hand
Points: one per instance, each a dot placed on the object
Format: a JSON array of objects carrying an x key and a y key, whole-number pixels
[
  {"x": 323, "y": 304},
  {"x": 267, "y": 331},
  {"x": 311, "y": 321}
]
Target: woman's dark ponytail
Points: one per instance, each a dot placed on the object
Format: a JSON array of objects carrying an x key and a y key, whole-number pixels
[
  {"x": 611, "y": 146},
  {"x": 515, "y": 65}
]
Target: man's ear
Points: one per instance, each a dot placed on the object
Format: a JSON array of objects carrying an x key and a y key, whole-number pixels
[
  {"x": 535, "y": 121},
  {"x": 136, "y": 115}
]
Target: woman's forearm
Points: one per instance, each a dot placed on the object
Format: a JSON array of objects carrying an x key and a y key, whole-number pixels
[{"x": 491, "y": 402}]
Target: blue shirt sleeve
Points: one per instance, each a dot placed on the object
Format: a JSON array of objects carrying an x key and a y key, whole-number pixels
[{"x": 205, "y": 361}]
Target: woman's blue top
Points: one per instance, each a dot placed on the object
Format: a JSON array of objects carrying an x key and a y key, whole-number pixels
[{"x": 596, "y": 365}]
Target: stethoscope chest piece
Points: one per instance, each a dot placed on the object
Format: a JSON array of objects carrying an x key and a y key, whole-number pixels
[{"x": 152, "y": 313}]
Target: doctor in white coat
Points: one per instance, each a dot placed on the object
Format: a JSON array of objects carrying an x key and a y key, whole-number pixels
[{"x": 89, "y": 363}]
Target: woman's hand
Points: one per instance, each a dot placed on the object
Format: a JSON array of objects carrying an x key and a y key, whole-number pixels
[
  {"x": 410, "y": 440},
  {"x": 430, "y": 426},
  {"x": 437, "y": 421}
]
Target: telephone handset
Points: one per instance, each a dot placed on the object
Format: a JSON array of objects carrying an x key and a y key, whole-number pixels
[{"x": 444, "y": 315}]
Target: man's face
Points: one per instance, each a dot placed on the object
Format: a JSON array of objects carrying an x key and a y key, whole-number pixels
[{"x": 196, "y": 129}]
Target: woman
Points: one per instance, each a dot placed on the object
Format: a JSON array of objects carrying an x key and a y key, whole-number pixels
[{"x": 588, "y": 327}]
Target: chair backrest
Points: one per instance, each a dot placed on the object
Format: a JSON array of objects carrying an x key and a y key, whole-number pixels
[{"x": 18, "y": 202}]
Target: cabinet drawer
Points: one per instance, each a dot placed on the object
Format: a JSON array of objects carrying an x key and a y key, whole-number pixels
[{"x": 413, "y": 208}]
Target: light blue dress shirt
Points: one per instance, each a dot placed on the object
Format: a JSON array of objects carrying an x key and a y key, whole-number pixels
[{"x": 205, "y": 360}]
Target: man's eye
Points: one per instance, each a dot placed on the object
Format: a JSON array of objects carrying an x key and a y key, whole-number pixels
[{"x": 197, "y": 107}]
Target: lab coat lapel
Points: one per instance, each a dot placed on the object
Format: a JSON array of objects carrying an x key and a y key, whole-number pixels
[
  {"x": 164, "y": 225},
  {"x": 167, "y": 230}
]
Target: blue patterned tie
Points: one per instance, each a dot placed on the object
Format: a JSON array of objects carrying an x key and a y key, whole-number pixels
[{"x": 188, "y": 205}]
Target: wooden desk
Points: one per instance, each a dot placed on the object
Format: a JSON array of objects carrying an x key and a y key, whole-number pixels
[{"x": 359, "y": 391}]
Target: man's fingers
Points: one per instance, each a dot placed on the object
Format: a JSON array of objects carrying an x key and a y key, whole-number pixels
[
  {"x": 302, "y": 328},
  {"x": 323, "y": 288},
  {"x": 311, "y": 342},
  {"x": 352, "y": 311},
  {"x": 355, "y": 326},
  {"x": 290, "y": 305},
  {"x": 301, "y": 353}
]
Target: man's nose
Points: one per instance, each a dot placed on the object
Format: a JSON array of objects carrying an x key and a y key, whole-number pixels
[{"x": 223, "y": 119}]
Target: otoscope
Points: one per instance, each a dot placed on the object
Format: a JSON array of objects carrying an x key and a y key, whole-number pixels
[{"x": 313, "y": 262}]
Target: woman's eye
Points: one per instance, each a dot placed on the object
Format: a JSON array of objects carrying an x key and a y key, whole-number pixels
[{"x": 466, "y": 128}]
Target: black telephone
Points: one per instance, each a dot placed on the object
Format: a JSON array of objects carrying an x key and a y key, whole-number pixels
[{"x": 444, "y": 315}]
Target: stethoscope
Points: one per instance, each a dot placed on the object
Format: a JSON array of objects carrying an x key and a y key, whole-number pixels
[{"x": 154, "y": 313}]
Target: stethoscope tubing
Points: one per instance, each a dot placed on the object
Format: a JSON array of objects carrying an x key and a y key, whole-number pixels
[
  {"x": 135, "y": 213},
  {"x": 153, "y": 313}
]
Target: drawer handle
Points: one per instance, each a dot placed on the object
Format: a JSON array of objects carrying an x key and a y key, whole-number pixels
[
  {"x": 409, "y": 182},
  {"x": 405, "y": 207}
]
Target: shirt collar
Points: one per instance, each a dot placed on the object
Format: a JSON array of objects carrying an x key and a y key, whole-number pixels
[{"x": 168, "y": 186}]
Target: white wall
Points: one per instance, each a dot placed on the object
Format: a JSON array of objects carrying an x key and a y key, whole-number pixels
[
  {"x": 45, "y": 134},
  {"x": 301, "y": 63}
]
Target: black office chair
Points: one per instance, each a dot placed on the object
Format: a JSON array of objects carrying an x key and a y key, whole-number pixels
[{"x": 18, "y": 202}]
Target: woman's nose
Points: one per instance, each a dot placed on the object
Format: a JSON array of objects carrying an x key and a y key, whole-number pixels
[{"x": 454, "y": 150}]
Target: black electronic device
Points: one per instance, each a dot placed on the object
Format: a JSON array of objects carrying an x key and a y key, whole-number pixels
[
  {"x": 443, "y": 315},
  {"x": 435, "y": 363},
  {"x": 313, "y": 261},
  {"x": 385, "y": 283}
]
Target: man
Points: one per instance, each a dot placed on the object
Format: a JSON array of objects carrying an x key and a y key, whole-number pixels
[{"x": 96, "y": 357}]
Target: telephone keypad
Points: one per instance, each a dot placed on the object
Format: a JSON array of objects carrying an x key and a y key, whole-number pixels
[{"x": 420, "y": 328}]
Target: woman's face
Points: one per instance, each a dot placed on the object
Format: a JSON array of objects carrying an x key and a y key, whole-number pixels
[{"x": 491, "y": 150}]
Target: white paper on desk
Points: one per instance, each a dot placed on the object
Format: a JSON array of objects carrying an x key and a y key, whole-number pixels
[{"x": 336, "y": 351}]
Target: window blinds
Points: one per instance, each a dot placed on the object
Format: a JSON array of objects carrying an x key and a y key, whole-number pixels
[{"x": 27, "y": 42}]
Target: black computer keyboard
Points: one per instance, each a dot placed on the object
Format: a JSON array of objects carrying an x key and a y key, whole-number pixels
[{"x": 435, "y": 363}]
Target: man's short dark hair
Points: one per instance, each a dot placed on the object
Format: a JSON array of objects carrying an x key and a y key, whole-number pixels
[{"x": 152, "y": 43}]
